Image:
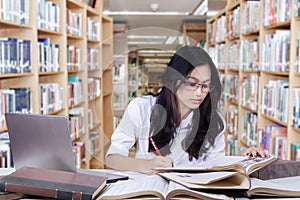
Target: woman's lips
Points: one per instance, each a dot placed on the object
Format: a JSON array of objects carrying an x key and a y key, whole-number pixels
[{"x": 196, "y": 101}]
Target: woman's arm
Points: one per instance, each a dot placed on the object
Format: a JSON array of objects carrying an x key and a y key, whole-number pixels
[{"x": 124, "y": 163}]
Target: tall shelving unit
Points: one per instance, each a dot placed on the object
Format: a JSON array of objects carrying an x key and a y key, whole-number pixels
[
  {"x": 258, "y": 64},
  {"x": 107, "y": 80},
  {"x": 133, "y": 64},
  {"x": 75, "y": 59},
  {"x": 194, "y": 32},
  {"x": 120, "y": 70}
]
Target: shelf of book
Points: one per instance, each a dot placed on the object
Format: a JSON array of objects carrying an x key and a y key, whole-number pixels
[
  {"x": 56, "y": 64},
  {"x": 107, "y": 84},
  {"x": 255, "y": 45},
  {"x": 120, "y": 70}
]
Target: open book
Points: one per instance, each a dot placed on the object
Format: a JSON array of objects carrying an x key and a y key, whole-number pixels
[
  {"x": 281, "y": 187},
  {"x": 225, "y": 173},
  {"x": 212, "y": 181},
  {"x": 154, "y": 187},
  {"x": 226, "y": 163},
  {"x": 205, "y": 181}
]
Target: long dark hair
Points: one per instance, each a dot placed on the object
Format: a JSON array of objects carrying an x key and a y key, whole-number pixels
[{"x": 206, "y": 122}]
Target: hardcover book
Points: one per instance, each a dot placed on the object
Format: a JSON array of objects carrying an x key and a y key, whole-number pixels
[
  {"x": 155, "y": 187},
  {"x": 226, "y": 163},
  {"x": 53, "y": 183},
  {"x": 233, "y": 179},
  {"x": 234, "y": 185}
]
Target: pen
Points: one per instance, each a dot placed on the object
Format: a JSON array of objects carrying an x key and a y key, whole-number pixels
[{"x": 154, "y": 145}]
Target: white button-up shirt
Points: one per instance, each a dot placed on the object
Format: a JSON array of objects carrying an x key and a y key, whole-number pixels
[{"x": 134, "y": 128}]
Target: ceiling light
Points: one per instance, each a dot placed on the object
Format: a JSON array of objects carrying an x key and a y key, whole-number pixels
[
  {"x": 154, "y": 7},
  {"x": 155, "y": 65},
  {"x": 181, "y": 39},
  {"x": 212, "y": 13},
  {"x": 142, "y": 42},
  {"x": 156, "y": 51},
  {"x": 146, "y": 37},
  {"x": 106, "y": 12},
  {"x": 156, "y": 60},
  {"x": 170, "y": 40},
  {"x": 202, "y": 8}
]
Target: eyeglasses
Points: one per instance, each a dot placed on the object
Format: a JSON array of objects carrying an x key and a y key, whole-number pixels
[{"x": 191, "y": 86}]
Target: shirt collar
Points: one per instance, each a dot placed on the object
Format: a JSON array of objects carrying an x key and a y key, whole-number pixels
[{"x": 187, "y": 122}]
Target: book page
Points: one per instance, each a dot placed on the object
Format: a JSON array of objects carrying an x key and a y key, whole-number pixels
[
  {"x": 176, "y": 190},
  {"x": 241, "y": 164},
  {"x": 235, "y": 181},
  {"x": 252, "y": 164},
  {"x": 148, "y": 186},
  {"x": 222, "y": 162},
  {"x": 203, "y": 178},
  {"x": 277, "y": 187}
]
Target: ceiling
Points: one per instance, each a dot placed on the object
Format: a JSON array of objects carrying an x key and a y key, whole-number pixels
[{"x": 152, "y": 27}]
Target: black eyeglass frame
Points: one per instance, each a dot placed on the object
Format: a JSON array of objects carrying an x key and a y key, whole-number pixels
[{"x": 191, "y": 86}]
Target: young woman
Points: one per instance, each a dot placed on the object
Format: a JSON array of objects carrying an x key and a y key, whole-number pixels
[{"x": 179, "y": 126}]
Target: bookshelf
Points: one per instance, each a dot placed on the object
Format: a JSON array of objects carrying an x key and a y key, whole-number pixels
[
  {"x": 194, "y": 32},
  {"x": 255, "y": 45},
  {"x": 107, "y": 80},
  {"x": 62, "y": 64},
  {"x": 120, "y": 70},
  {"x": 125, "y": 70},
  {"x": 133, "y": 74}
]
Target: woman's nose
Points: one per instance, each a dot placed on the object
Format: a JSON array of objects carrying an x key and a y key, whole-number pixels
[{"x": 198, "y": 92}]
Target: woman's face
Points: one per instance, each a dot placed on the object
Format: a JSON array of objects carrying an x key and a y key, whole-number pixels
[{"x": 195, "y": 88}]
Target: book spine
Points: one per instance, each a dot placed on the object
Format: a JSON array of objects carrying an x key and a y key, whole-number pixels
[
  {"x": 44, "y": 192},
  {"x": 30, "y": 190},
  {"x": 73, "y": 195}
]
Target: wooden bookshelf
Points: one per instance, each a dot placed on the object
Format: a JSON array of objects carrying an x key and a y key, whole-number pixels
[
  {"x": 92, "y": 42},
  {"x": 107, "y": 80},
  {"x": 120, "y": 70},
  {"x": 248, "y": 51},
  {"x": 194, "y": 32}
]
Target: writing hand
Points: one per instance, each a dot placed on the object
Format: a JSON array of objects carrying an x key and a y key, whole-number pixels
[{"x": 159, "y": 162}]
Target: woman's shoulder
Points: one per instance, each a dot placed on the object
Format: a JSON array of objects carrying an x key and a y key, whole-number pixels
[
  {"x": 143, "y": 101},
  {"x": 139, "y": 108}
]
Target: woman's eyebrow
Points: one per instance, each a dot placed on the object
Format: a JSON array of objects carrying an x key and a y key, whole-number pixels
[{"x": 191, "y": 77}]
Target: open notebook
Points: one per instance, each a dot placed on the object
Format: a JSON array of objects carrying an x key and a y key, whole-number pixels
[{"x": 44, "y": 141}]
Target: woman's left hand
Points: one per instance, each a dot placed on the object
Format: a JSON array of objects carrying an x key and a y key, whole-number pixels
[{"x": 254, "y": 152}]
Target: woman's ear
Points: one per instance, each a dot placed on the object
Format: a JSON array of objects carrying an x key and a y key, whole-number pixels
[{"x": 177, "y": 83}]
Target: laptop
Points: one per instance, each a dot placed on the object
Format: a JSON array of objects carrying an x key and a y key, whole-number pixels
[{"x": 44, "y": 141}]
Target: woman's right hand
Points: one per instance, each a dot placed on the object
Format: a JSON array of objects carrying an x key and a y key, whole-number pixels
[
  {"x": 158, "y": 162},
  {"x": 125, "y": 163}
]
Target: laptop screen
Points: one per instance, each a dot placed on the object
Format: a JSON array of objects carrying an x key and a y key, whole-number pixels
[{"x": 40, "y": 141}]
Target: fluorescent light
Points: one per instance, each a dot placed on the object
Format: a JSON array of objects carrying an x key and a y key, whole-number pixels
[
  {"x": 142, "y": 42},
  {"x": 156, "y": 60},
  {"x": 155, "y": 65},
  {"x": 146, "y": 37},
  {"x": 170, "y": 40},
  {"x": 181, "y": 39},
  {"x": 202, "y": 8},
  {"x": 212, "y": 12},
  {"x": 156, "y": 51},
  {"x": 107, "y": 12}
]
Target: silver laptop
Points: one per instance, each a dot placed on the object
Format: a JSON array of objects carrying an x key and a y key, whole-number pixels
[{"x": 44, "y": 141}]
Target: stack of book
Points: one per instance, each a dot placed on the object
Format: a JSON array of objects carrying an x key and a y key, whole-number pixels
[{"x": 223, "y": 178}]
